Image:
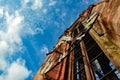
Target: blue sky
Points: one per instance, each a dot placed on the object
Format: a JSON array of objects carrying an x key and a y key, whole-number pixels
[{"x": 29, "y": 29}]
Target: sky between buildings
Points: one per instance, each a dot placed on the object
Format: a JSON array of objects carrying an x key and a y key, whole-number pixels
[{"x": 29, "y": 29}]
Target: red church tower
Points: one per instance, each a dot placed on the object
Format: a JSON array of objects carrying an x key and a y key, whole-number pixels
[{"x": 87, "y": 50}]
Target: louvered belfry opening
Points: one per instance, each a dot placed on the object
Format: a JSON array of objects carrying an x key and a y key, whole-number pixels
[
  {"x": 101, "y": 66},
  {"x": 87, "y": 50}
]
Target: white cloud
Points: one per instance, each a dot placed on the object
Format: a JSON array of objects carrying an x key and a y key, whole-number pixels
[
  {"x": 39, "y": 30},
  {"x": 52, "y": 3},
  {"x": 11, "y": 37},
  {"x": 37, "y": 4},
  {"x": 63, "y": 15},
  {"x": 10, "y": 43},
  {"x": 57, "y": 24},
  {"x": 3, "y": 64},
  {"x": 88, "y": 2},
  {"x": 1, "y": 11},
  {"x": 44, "y": 11},
  {"x": 24, "y": 3},
  {"x": 85, "y": 1},
  {"x": 17, "y": 71},
  {"x": 44, "y": 50},
  {"x": 3, "y": 47},
  {"x": 35, "y": 30}
]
